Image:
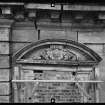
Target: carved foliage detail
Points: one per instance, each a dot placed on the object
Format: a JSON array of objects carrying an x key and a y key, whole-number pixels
[{"x": 55, "y": 52}]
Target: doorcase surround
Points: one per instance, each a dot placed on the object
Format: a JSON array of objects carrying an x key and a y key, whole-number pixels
[{"x": 59, "y": 58}]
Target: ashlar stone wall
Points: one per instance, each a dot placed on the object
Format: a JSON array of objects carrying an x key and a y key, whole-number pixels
[{"x": 14, "y": 36}]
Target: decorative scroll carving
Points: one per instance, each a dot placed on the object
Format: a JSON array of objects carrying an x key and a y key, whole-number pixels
[{"x": 55, "y": 53}]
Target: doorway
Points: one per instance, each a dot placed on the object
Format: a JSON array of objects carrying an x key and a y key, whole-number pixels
[{"x": 55, "y": 70}]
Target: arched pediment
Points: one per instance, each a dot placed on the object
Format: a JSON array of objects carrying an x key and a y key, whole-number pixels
[{"x": 55, "y": 51}]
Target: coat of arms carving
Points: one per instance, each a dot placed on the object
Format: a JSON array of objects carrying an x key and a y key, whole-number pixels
[{"x": 55, "y": 52}]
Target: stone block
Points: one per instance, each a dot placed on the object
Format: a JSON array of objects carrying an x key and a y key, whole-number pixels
[
  {"x": 50, "y": 34},
  {"x": 4, "y": 48},
  {"x": 102, "y": 94},
  {"x": 4, "y": 99},
  {"x": 104, "y": 50},
  {"x": 18, "y": 46},
  {"x": 4, "y": 74},
  {"x": 97, "y": 48},
  {"x": 4, "y": 34},
  {"x": 4, "y": 89},
  {"x": 62, "y": 34},
  {"x": 102, "y": 77},
  {"x": 25, "y": 35},
  {"x": 4, "y": 61},
  {"x": 71, "y": 35},
  {"x": 91, "y": 37}
]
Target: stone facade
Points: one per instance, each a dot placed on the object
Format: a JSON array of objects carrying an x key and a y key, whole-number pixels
[{"x": 15, "y": 35}]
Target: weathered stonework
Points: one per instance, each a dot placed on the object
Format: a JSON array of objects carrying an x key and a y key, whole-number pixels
[
  {"x": 4, "y": 89},
  {"x": 4, "y": 99},
  {"x": 45, "y": 92},
  {"x": 4, "y": 34},
  {"x": 21, "y": 30},
  {"x": 4, "y": 74}
]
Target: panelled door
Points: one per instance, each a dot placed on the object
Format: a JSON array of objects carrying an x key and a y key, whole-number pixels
[{"x": 45, "y": 86}]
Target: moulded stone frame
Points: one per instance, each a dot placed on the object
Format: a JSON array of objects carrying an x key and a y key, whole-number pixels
[
  {"x": 96, "y": 58},
  {"x": 17, "y": 61}
]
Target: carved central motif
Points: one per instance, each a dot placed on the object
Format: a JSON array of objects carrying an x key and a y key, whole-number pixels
[{"x": 55, "y": 52}]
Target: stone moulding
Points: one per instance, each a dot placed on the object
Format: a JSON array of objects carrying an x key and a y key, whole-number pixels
[{"x": 56, "y": 51}]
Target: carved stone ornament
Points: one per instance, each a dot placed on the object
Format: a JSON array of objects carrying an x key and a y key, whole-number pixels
[{"x": 55, "y": 53}]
